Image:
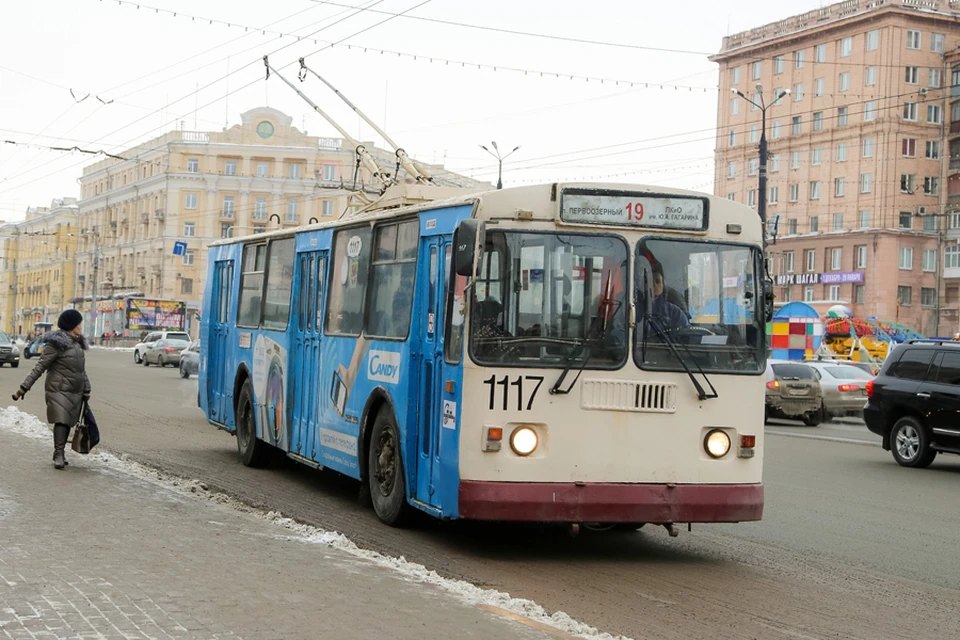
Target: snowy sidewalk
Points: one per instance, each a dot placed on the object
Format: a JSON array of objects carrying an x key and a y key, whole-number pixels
[{"x": 104, "y": 550}]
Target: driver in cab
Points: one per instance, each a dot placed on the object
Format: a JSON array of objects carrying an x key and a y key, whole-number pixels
[{"x": 667, "y": 315}]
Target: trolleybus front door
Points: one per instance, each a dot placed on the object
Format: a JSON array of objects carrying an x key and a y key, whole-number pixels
[
  {"x": 219, "y": 380},
  {"x": 305, "y": 356},
  {"x": 432, "y": 285}
]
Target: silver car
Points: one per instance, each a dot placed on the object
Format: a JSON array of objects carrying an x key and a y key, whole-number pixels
[
  {"x": 844, "y": 387},
  {"x": 164, "y": 352},
  {"x": 190, "y": 360},
  {"x": 793, "y": 393}
]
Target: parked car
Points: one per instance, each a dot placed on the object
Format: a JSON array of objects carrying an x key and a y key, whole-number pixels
[
  {"x": 164, "y": 352},
  {"x": 869, "y": 367},
  {"x": 844, "y": 387},
  {"x": 793, "y": 392},
  {"x": 9, "y": 352},
  {"x": 914, "y": 402},
  {"x": 141, "y": 347},
  {"x": 190, "y": 360}
]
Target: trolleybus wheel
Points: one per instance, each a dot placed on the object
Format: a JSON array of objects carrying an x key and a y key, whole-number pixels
[
  {"x": 628, "y": 526},
  {"x": 385, "y": 468},
  {"x": 253, "y": 452}
]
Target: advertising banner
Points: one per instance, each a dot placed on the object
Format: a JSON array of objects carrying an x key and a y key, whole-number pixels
[{"x": 153, "y": 315}]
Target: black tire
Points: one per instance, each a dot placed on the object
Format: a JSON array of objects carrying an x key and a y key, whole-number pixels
[
  {"x": 814, "y": 418},
  {"x": 183, "y": 372},
  {"x": 253, "y": 452},
  {"x": 388, "y": 491},
  {"x": 910, "y": 443},
  {"x": 146, "y": 362},
  {"x": 629, "y": 526},
  {"x": 137, "y": 359}
]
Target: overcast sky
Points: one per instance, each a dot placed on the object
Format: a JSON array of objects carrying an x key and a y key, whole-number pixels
[{"x": 151, "y": 65}]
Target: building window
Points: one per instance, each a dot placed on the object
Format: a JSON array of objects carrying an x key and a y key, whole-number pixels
[
  {"x": 786, "y": 294},
  {"x": 293, "y": 213},
  {"x": 868, "y": 147},
  {"x": 934, "y": 79},
  {"x": 910, "y": 111},
  {"x": 842, "y": 152},
  {"x": 798, "y": 59},
  {"x": 754, "y": 133},
  {"x": 838, "y": 221},
  {"x": 906, "y": 220},
  {"x": 794, "y": 192},
  {"x": 345, "y": 303},
  {"x": 933, "y": 150},
  {"x": 756, "y": 69},
  {"x": 912, "y": 75},
  {"x": 908, "y": 147},
  {"x": 752, "y": 198},
  {"x": 866, "y": 182},
  {"x": 845, "y": 81},
  {"x": 861, "y": 253},
  {"x": 934, "y": 114},
  {"x": 188, "y": 257},
  {"x": 263, "y": 169},
  {"x": 820, "y": 53},
  {"x": 864, "y": 219},
  {"x": 774, "y": 163},
  {"x": 732, "y": 197},
  {"x": 734, "y": 105},
  {"x": 798, "y": 92},
  {"x": 193, "y": 165},
  {"x": 870, "y": 76},
  {"x": 190, "y": 201},
  {"x": 859, "y": 293},
  {"x": 258, "y": 229},
  {"x": 811, "y": 260},
  {"x": 836, "y": 258},
  {"x": 819, "y": 86},
  {"x": 839, "y": 186},
  {"x": 834, "y": 292},
  {"x": 928, "y": 297},
  {"x": 931, "y": 185},
  {"x": 936, "y": 42},
  {"x": 778, "y": 65},
  {"x": 226, "y": 230},
  {"x": 870, "y": 111},
  {"x": 796, "y": 125},
  {"x": 752, "y": 165},
  {"x": 327, "y": 208},
  {"x": 774, "y": 196},
  {"x": 843, "y": 116},
  {"x": 791, "y": 231},
  {"x": 295, "y": 170},
  {"x": 794, "y": 159},
  {"x": 808, "y": 294},
  {"x": 906, "y": 258},
  {"x": 788, "y": 261},
  {"x": 907, "y": 183},
  {"x": 815, "y": 190},
  {"x": 873, "y": 40},
  {"x": 817, "y": 120},
  {"x": 814, "y": 224},
  {"x": 846, "y": 47},
  {"x": 951, "y": 256},
  {"x": 230, "y": 168},
  {"x": 330, "y": 170},
  {"x": 732, "y": 138},
  {"x": 929, "y": 222},
  {"x": 955, "y": 220},
  {"x": 929, "y": 260},
  {"x": 189, "y": 229},
  {"x": 260, "y": 209},
  {"x": 732, "y": 169},
  {"x": 913, "y": 39},
  {"x": 735, "y": 75},
  {"x": 228, "y": 206},
  {"x": 904, "y": 296},
  {"x": 186, "y": 286},
  {"x": 775, "y": 129}
]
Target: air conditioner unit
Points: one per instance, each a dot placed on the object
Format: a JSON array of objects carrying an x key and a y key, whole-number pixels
[
  {"x": 923, "y": 92},
  {"x": 921, "y": 211}
]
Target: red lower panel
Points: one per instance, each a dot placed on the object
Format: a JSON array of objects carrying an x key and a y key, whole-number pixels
[{"x": 610, "y": 502}]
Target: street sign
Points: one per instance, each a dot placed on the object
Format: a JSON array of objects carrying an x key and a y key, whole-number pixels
[{"x": 179, "y": 248}]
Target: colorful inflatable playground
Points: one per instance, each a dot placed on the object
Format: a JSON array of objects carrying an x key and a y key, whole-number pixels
[{"x": 798, "y": 332}]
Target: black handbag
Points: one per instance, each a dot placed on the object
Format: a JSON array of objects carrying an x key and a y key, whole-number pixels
[{"x": 86, "y": 434}]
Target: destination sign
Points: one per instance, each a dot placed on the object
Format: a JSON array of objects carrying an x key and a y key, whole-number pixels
[{"x": 688, "y": 213}]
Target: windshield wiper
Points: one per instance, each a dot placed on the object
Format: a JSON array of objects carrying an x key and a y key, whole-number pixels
[
  {"x": 701, "y": 393},
  {"x": 555, "y": 389}
]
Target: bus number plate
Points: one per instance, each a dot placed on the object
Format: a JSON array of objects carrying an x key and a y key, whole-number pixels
[{"x": 524, "y": 388}]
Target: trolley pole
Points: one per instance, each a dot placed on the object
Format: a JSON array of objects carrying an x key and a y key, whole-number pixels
[{"x": 762, "y": 186}]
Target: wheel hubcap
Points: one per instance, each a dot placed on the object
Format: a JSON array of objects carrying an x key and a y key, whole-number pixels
[
  {"x": 386, "y": 463},
  {"x": 908, "y": 443}
]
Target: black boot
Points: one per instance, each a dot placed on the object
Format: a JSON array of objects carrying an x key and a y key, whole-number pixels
[{"x": 60, "y": 433}]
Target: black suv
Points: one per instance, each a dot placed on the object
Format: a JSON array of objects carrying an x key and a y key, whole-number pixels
[{"x": 914, "y": 401}]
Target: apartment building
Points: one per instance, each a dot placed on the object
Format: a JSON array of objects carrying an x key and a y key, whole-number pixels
[
  {"x": 38, "y": 258},
  {"x": 197, "y": 187},
  {"x": 857, "y": 154}
]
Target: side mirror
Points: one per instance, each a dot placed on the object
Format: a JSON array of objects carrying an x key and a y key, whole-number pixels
[
  {"x": 767, "y": 300},
  {"x": 468, "y": 235}
]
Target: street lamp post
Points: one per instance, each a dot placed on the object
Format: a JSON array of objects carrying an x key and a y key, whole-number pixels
[
  {"x": 762, "y": 186},
  {"x": 500, "y": 160}
]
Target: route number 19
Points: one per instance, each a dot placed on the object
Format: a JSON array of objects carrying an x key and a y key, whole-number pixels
[{"x": 635, "y": 211}]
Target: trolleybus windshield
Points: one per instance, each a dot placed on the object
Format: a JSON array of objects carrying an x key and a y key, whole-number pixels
[
  {"x": 702, "y": 297},
  {"x": 540, "y": 296}
]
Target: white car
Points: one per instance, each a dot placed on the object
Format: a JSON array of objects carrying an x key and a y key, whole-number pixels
[{"x": 153, "y": 336}]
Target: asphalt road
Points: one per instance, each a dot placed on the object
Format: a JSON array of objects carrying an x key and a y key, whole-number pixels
[{"x": 851, "y": 545}]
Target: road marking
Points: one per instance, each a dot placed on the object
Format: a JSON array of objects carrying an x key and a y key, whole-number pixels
[
  {"x": 510, "y": 615},
  {"x": 810, "y": 436}
]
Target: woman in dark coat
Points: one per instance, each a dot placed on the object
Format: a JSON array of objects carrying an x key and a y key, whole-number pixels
[{"x": 67, "y": 386}]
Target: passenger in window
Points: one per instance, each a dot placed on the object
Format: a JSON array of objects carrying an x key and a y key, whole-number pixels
[{"x": 668, "y": 315}]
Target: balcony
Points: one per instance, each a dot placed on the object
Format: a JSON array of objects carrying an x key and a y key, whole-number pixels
[
  {"x": 145, "y": 216},
  {"x": 194, "y": 136},
  {"x": 227, "y": 214},
  {"x": 158, "y": 214}
]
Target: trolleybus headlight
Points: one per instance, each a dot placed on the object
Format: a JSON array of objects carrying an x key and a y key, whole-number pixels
[
  {"x": 524, "y": 441},
  {"x": 717, "y": 443}
]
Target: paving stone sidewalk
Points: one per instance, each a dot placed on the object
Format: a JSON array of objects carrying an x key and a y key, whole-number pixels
[{"x": 93, "y": 552}]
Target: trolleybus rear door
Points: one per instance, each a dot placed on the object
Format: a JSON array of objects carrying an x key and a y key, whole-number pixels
[
  {"x": 305, "y": 356},
  {"x": 219, "y": 380}
]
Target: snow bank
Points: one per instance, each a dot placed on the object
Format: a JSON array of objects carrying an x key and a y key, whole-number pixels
[{"x": 15, "y": 421}]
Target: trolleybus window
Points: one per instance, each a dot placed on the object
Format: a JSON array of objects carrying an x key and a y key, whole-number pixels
[
  {"x": 391, "y": 289},
  {"x": 251, "y": 285},
  {"x": 697, "y": 306},
  {"x": 542, "y": 298},
  {"x": 348, "y": 281},
  {"x": 276, "y": 311}
]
